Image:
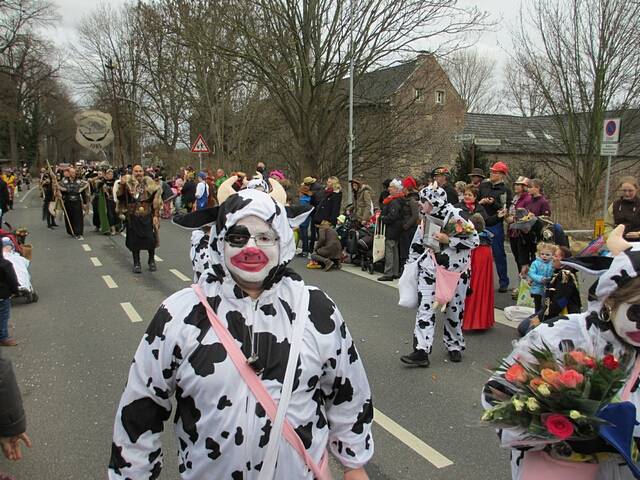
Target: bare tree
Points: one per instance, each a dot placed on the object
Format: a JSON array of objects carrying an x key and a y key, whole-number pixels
[
  {"x": 583, "y": 56},
  {"x": 520, "y": 93},
  {"x": 300, "y": 53},
  {"x": 473, "y": 76},
  {"x": 18, "y": 17}
]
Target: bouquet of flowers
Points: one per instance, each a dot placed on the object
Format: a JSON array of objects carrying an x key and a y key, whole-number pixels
[
  {"x": 459, "y": 228},
  {"x": 555, "y": 400}
]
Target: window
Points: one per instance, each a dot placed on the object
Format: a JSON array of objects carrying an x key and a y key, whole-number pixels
[
  {"x": 440, "y": 97},
  {"x": 531, "y": 134},
  {"x": 419, "y": 95}
]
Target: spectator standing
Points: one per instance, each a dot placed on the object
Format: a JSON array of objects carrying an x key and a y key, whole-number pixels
[
  {"x": 520, "y": 242},
  {"x": 540, "y": 273},
  {"x": 329, "y": 207},
  {"x": 4, "y": 198},
  {"x": 539, "y": 204},
  {"x": 220, "y": 177},
  {"x": 13, "y": 423},
  {"x": 304, "y": 198},
  {"x": 202, "y": 192},
  {"x": 476, "y": 177},
  {"x": 626, "y": 210},
  {"x": 188, "y": 195},
  {"x": 442, "y": 176},
  {"x": 391, "y": 218},
  {"x": 46, "y": 184},
  {"x": 261, "y": 168},
  {"x": 384, "y": 193},
  {"x": 362, "y": 200},
  {"x": 317, "y": 194},
  {"x": 411, "y": 215},
  {"x": 495, "y": 196},
  {"x": 8, "y": 287},
  {"x": 459, "y": 186}
]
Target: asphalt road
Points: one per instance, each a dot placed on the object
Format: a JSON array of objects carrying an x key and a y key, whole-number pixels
[{"x": 77, "y": 342}]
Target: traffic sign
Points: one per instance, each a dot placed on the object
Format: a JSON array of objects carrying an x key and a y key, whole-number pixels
[
  {"x": 200, "y": 146},
  {"x": 464, "y": 137},
  {"x": 609, "y": 149},
  {"x": 489, "y": 142},
  {"x": 611, "y": 130}
]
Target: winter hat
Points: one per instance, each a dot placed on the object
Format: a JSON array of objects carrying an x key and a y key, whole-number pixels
[
  {"x": 202, "y": 175},
  {"x": 277, "y": 174},
  {"x": 500, "y": 167},
  {"x": 522, "y": 181},
  {"x": 477, "y": 172},
  {"x": 440, "y": 171},
  {"x": 410, "y": 182},
  {"x": 396, "y": 184},
  {"x": 309, "y": 180}
]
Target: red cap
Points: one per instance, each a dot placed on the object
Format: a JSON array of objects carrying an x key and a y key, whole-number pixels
[
  {"x": 500, "y": 167},
  {"x": 410, "y": 182}
]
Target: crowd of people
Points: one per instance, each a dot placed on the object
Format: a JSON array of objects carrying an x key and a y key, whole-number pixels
[{"x": 441, "y": 240}]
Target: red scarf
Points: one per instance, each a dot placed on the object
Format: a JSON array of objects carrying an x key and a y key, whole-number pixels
[
  {"x": 391, "y": 198},
  {"x": 471, "y": 206}
]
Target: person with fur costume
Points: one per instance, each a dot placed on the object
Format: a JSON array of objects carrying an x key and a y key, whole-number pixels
[
  {"x": 140, "y": 202},
  {"x": 449, "y": 249},
  {"x": 610, "y": 325},
  {"x": 249, "y": 312}
]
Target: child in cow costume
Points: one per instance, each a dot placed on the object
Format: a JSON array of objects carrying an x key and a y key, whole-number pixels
[
  {"x": 454, "y": 255},
  {"x": 611, "y": 325},
  {"x": 248, "y": 303}
]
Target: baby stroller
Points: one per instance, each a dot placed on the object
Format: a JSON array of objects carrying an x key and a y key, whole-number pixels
[
  {"x": 365, "y": 251},
  {"x": 21, "y": 267}
]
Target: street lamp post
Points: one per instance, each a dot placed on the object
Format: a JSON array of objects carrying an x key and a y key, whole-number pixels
[{"x": 350, "y": 164}]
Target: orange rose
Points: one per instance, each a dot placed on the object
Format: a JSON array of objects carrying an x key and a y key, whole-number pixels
[
  {"x": 550, "y": 376},
  {"x": 570, "y": 378},
  {"x": 516, "y": 373},
  {"x": 577, "y": 355}
]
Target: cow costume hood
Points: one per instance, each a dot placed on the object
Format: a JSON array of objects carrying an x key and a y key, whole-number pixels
[
  {"x": 246, "y": 203},
  {"x": 437, "y": 197}
]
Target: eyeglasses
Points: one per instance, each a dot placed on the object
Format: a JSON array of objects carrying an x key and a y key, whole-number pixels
[{"x": 239, "y": 240}]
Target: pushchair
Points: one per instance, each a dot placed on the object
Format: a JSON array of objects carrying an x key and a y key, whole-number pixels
[
  {"x": 21, "y": 267},
  {"x": 365, "y": 251}
]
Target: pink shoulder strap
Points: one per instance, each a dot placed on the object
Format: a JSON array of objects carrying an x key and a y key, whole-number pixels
[
  {"x": 635, "y": 373},
  {"x": 258, "y": 389}
]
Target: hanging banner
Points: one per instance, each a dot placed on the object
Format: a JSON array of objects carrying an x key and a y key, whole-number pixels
[{"x": 93, "y": 130}]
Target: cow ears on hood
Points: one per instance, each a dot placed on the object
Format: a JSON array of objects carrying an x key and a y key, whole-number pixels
[
  {"x": 197, "y": 219},
  {"x": 297, "y": 214},
  {"x": 594, "y": 265}
]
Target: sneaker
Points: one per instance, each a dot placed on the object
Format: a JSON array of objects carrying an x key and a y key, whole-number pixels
[
  {"x": 8, "y": 342},
  {"x": 385, "y": 278},
  {"x": 79, "y": 237},
  {"x": 328, "y": 266},
  {"x": 455, "y": 356},
  {"x": 152, "y": 266},
  {"x": 419, "y": 358},
  {"x": 137, "y": 269}
]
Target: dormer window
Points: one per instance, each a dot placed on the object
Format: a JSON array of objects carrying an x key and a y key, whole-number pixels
[
  {"x": 419, "y": 95},
  {"x": 439, "y": 97}
]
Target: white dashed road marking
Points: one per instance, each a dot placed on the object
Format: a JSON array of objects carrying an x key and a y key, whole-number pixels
[
  {"x": 131, "y": 312},
  {"x": 86, "y": 247},
  {"x": 410, "y": 440},
  {"x": 24, "y": 197},
  {"x": 179, "y": 274},
  {"x": 96, "y": 261},
  {"x": 109, "y": 281},
  {"x": 158, "y": 259}
]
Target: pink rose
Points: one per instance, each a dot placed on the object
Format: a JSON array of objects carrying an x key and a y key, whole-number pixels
[
  {"x": 559, "y": 426},
  {"x": 570, "y": 378}
]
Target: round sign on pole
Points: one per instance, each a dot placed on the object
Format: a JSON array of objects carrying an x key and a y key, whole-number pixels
[{"x": 611, "y": 130}]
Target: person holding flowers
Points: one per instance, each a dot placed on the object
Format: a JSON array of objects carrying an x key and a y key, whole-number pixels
[{"x": 565, "y": 400}]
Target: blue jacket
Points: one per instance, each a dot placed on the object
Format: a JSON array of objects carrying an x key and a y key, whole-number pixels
[
  {"x": 538, "y": 271},
  {"x": 305, "y": 200}
]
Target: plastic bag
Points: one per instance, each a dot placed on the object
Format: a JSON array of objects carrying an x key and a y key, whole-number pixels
[
  {"x": 408, "y": 286},
  {"x": 524, "y": 295},
  {"x": 378, "y": 245}
]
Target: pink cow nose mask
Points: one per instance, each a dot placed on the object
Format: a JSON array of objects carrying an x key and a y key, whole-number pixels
[{"x": 250, "y": 259}]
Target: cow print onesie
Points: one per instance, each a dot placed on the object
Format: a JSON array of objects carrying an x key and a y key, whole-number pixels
[
  {"x": 455, "y": 257},
  {"x": 590, "y": 332},
  {"x": 221, "y": 430},
  {"x": 199, "y": 253}
]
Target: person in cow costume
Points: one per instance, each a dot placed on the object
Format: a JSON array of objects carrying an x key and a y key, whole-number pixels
[
  {"x": 249, "y": 298},
  {"x": 611, "y": 325},
  {"x": 453, "y": 255}
]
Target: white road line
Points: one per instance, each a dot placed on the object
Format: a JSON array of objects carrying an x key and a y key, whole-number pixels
[
  {"x": 109, "y": 281},
  {"x": 410, "y": 440},
  {"x": 86, "y": 247},
  {"x": 499, "y": 314},
  {"x": 96, "y": 261},
  {"x": 179, "y": 274},
  {"x": 27, "y": 194},
  {"x": 123, "y": 234},
  {"x": 158, "y": 259},
  {"x": 131, "y": 312}
]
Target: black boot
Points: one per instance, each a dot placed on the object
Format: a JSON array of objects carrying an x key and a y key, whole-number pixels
[
  {"x": 152, "y": 266},
  {"x": 137, "y": 268},
  {"x": 455, "y": 356},
  {"x": 419, "y": 358}
]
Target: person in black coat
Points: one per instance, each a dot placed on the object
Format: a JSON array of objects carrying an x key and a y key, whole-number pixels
[
  {"x": 470, "y": 205},
  {"x": 188, "y": 193},
  {"x": 13, "y": 424},
  {"x": 329, "y": 207},
  {"x": 391, "y": 218}
]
